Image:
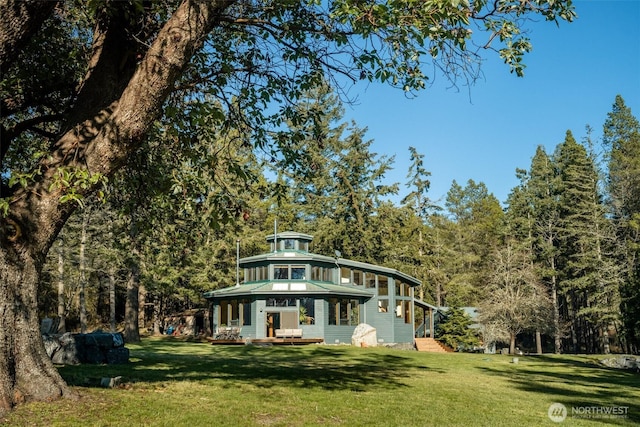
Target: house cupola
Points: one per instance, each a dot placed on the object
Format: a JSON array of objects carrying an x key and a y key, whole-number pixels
[{"x": 289, "y": 241}]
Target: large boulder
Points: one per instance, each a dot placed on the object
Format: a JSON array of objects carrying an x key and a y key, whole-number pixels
[
  {"x": 61, "y": 349},
  {"x": 364, "y": 336},
  {"x": 97, "y": 347},
  {"x": 622, "y": 362}
]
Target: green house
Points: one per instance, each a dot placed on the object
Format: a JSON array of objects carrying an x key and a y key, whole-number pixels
[{"x": 291, "y": 291}]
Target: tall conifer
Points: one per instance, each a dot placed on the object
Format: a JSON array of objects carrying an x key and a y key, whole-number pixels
[
  {"x": 590, "y": 280},
  {"x": 622, "y": 141},
  {"x": 542, "y": 189}
]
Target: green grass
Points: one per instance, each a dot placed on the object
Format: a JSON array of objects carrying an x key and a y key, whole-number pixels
[{"x": 174, "y": 383}]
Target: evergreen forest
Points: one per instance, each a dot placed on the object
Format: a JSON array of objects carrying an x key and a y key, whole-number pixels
[{"x": 558, "y": 260}]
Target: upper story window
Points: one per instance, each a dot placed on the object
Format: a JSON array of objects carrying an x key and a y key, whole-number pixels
[
  {"x": 289, "y": 241},
  {"x": 358, "y": 278},
  {"x": 281, "y": 302},
  {"x": 345, "y": 275},
  {"x": 298, "y": 272},
  {"x": 402, "y": 289},
  {"x": 406, "y": 289},
  {"x": 321, "y": 273},
  {"x": 285, "y": 272},
  {"x": 256, "y": 274},
  {"x": 280, "y": 272},
  {"x": 399, "y": 288},
  {"x": 383, "y": 285},
  {"x": 371, "y": 281}
]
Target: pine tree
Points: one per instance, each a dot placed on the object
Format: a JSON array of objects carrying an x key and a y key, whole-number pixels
[
  {"x": 622, "y": 141},
  {"x": 454, "y": 330},
  {"x": 419, "y": 185},
  {"x": 422, "y": 207},
  {"x": 590, "y": 280},
  {"x": 542, "y": 192},
  {"x": 519, "y": 212},
  {"x": 474, "y": 231}
]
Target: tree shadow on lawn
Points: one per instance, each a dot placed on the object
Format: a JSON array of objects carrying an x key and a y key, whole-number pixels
[
  {"x": 320, "y": 367},
  {"x": 576, "y": 383}
]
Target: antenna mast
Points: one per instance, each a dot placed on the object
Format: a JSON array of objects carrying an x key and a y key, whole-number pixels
[
  {"x": 275, "y": 235},
  {"x": 237, "y": 262}
]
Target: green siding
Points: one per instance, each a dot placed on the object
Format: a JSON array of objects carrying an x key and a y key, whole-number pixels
[
  {"x": 261, "y": 319},
  {"x": 340, "y": 333},
  {"x": 383, "y": 322}
]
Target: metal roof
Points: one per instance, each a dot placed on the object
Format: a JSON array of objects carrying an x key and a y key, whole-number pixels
[
  {"x": 423, "y": 304},
  {"x": 290, "y": 235},
  {"x": 286, "y": 255},
  {"x": 284, "y": 288}
]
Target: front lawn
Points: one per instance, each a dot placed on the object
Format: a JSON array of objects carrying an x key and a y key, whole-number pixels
[{"x": 174, "y": 383}]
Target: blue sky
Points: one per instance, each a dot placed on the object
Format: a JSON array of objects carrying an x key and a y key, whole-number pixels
[{"x": 484, "y": 133}]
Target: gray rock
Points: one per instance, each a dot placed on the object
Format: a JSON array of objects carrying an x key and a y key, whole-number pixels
[
  {"x": 51, "y": 344},
  {"x": 110, "y": 382},
  {"x": 622, "y": 362},
  {"x": 62, "y": 349}
]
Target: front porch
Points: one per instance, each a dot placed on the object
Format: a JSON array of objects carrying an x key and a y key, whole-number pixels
[{"x": 426, "y": 328}]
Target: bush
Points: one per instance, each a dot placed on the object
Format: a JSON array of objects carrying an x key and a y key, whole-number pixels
[{"x": 454, "y": 330}]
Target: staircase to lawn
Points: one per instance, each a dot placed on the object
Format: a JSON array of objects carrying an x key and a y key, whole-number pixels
[{"x": 431, "y": 345}]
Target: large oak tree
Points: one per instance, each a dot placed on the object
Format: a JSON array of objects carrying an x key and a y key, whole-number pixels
[{"x": 83, "y": 82}]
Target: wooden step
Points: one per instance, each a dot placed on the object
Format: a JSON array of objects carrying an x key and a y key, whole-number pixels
[{"x": 432, "y": 346}]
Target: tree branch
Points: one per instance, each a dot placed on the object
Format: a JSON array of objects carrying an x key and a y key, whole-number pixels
[
  {"x": 103, "y": 142},
  {"x": 8, "y": 135}
]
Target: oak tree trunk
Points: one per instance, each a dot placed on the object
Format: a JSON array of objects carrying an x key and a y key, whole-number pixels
[{"x": 26, "y": 372}]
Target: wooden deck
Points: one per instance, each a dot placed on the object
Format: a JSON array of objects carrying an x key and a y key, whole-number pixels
[{"x": 268, "y": 341}]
